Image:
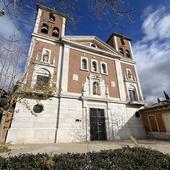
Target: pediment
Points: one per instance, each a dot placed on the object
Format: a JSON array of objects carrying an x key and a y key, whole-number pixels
[{"x": 92, "y": 42}]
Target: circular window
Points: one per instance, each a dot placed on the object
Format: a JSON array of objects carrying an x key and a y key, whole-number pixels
[{"x": 38, "y": 108}]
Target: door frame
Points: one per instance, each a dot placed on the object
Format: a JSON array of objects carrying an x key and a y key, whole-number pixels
[
  {"x": 87, "y": 119},
  {"x": 97, "y": 126}
]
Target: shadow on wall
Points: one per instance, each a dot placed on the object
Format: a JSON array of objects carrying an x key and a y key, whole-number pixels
[
  {"x": 132, "y": 127},
  {"x": 122, "y": 128}
]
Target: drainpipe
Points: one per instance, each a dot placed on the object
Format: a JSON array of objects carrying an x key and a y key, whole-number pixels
[{"x": 59, "y": 94}]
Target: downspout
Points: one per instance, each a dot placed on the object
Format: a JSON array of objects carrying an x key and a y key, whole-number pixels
[
  {"x": 84, "y": 121},
  {"x": 59, "y": 93}
]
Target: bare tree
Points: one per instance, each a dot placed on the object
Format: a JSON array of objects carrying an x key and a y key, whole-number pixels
[
  {"x": 116, "y": 8},
  {"x": 13, "y": 87},
  {"x": 10, "y": 73}
]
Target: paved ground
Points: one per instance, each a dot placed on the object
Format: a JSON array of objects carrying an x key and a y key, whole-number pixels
[{"x": 163, "y": 146}]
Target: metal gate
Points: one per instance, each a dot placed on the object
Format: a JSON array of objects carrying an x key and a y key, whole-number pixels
[{"x": 97, "y": 124}]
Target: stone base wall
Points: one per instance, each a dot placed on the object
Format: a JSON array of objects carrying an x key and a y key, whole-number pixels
[
  {"x": 29, "y": 128},
  {"x": 73, "y": 123},
  {"x": 71, "y": 119},
  {"x": 125, "y": 123}
]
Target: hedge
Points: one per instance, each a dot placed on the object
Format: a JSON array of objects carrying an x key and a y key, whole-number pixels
[{"x": 136, "y": 158}]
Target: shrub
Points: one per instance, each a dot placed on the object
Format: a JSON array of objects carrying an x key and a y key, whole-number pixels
[{"x": 136, "y": 158}]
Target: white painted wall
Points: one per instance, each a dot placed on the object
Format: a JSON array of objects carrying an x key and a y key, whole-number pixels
[
  {"x": 69, "y": 130},
  {"x": 125, "y": 123},
  {"x": 121, "y": 122},
  {"x": 27, "y": 128},
  {"x": 65, "y": 68},
  {"x": 37, "y": 20},
  {"x": 120, "y": 81}
]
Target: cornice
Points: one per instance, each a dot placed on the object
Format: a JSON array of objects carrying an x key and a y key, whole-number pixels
[
  {"x": 91, "y": 49},
  {"x": 81, "y": 46}
]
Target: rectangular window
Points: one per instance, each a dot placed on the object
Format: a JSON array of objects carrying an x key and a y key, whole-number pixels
[{"x": 42, "y": 80}]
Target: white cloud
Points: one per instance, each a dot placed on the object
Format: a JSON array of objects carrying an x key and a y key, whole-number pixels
[
  {"x": 7, "y": 27},
  {"x": 157, "y": 25},
  {"x": 152, "y": 53},
  {"x": 164, "y": 27}
]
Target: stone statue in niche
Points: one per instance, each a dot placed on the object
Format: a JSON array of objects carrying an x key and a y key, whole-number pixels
[
  {"x": 129, "y": 75},
  {"x": 96, "y": 89},
  {"x": 46, "y": 56}
]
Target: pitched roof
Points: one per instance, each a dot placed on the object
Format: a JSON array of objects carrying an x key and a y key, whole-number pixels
[
  {"x": 160, "y": 104},
  {"x": 93, "y": 39}
]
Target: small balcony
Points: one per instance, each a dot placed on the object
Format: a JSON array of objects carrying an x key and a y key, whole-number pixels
[{"x": 138, "y": 100}]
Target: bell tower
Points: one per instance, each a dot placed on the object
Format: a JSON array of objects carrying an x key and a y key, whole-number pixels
[
  {"x": 122, "y": 44},
  {"x": 49, "y": 22},
  {"x": 45, "y": 49}
]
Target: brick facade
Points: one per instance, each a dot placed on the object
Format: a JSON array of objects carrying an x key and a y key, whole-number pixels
[
  {"x": 75, "y": 68},
  {"x": 98, "y": 90}
]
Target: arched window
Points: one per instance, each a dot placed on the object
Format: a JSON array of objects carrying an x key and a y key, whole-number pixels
[
  {"x": 132, "y": 93},
  {"x": 55, "y": 32},
  {"x": 122, "y": 41},
  {"x": 46, "y": 56},
  {"x": 43, "y": 78},
  {"x": 94, "y": 66},
  {"x": 44, "y": 28},
  {"x": 96, "y": 88},
  {"x": 84, "y": 64},
  {"x": 121, "y": 51},
  {"x": 127, "y": 53},
  {"x": 103, "y": 68},
  {"x": 52, "y": 17}
]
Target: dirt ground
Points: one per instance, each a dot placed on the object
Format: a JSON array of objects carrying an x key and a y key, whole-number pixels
[{"x": 57, "y": 148}]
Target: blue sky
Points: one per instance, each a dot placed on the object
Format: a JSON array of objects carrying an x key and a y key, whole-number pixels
[{"x": 149, "y": 30}]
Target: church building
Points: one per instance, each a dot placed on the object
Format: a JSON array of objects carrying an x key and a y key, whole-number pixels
[{"x": 80, "y": 87}]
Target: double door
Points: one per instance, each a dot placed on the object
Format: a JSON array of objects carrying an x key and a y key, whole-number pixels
[{"x": 97, "y": 124}]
